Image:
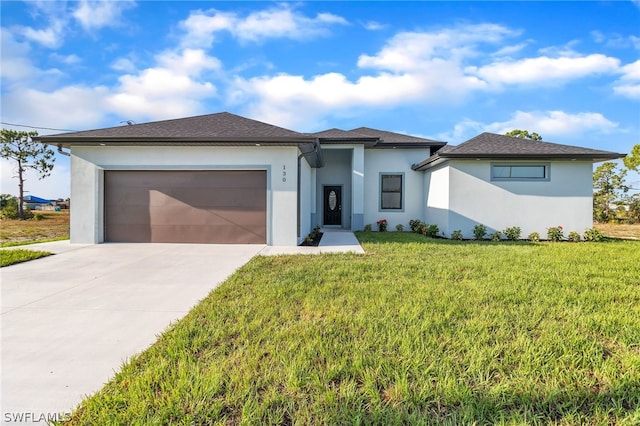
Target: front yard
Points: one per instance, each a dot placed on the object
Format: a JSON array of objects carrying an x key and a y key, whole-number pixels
[{"x": 417, "y": 331}]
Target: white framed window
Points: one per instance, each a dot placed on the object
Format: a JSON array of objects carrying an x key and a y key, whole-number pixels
[
  {"x": 391, "y": 191},
  {"x": 522, "y": 172}
]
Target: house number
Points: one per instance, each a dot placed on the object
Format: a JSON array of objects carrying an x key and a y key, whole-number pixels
[{"x": 284, "y": 173}]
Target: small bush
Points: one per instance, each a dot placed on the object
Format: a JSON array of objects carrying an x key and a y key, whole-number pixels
[
  {"x": 534, "y": 236},
  {"x": 573, "y": 236},
  {"x": 479, "y": 231},
  {"x": 512, "y": 233},
  {"x": 416, "y": 225},
  {"x": 382, "y": 225},
  {"x": 38, "y": 216},
  {"x": 496, "y": 236},
  {"x": 593, "y": 234},
  {"x": 367, "y": 227},
  {"x": 456, "y": 235},
  {"x": 555, "y": 233},
  {"x": 431, "y": 230},
  {"x": 400, "y": 227}
]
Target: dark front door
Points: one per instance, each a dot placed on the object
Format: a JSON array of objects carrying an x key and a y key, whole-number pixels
[{"x": 333, "y": 205}]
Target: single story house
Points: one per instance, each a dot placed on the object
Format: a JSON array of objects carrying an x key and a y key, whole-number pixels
[
  {"x": 35, "y": 203},
  {"x": 223, "y": 178}
]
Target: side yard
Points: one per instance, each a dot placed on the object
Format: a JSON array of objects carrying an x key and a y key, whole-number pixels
[
  {"x": 417, "y": 331},
  {"x": 52, "y": 226}
]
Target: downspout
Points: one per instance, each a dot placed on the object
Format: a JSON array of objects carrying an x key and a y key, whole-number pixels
[{"x": 316, "y": 147}]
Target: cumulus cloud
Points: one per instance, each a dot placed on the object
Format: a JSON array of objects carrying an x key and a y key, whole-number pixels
[
  {"x": 629, "y": 84},
  {"x": 550, "y": 124},
  {"x": 94, "y": 15},
  {"x": 173, "y": 88},
  {"x": 281, "y": 21},
  {"x": 544, "y": 70},
  {"x": 17, "y": 62}
]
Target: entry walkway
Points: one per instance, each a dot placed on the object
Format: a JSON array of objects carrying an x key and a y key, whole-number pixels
[{"x": 333, "y": 241}]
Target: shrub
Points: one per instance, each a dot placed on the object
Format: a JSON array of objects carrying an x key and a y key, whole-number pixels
[
  {"x": 496, "y": 236},
  {"x": 431, "y": 230},
  {"x": 38, "y": 216},
  {"x": 573, "y": 237},
  {"x": 534, "y": 236},
  {"x": 367, "y": 227},
  {"x": 400, "y": 227},
  {"x": 416, "y": 225},
  {"x": 593, "y": 234},
  {"x": 555, "y": 233},
  {"x": 479, "y": 231},
  {"x": 456, "y": 235},
  {"x": 10, "y": 210},
  {"x": 382, "y": 225},
  {"x": 512, "y": 233}
]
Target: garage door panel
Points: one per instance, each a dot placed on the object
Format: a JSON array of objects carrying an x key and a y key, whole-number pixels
[{"x": 186, "y": 206}]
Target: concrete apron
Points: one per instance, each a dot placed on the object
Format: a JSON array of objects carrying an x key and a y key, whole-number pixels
[{"x": 69, "y": 321}]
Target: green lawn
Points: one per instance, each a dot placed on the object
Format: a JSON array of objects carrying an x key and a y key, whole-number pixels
[
  {"x": 417, "y": 331},
  {"x": 11, "y": 257}
]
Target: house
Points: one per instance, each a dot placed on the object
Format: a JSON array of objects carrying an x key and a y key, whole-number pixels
[
  {"x": 223, "y": 178},
  {"x": 35, "y": 203}
]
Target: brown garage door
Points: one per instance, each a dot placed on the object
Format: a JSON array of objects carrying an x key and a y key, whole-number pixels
[{"x": 221, "y": 207}]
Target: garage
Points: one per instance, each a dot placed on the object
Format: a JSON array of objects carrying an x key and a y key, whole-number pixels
[{"x": 195, "y": 206}]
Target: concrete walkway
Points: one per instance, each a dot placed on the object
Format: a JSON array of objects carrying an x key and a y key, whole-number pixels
[{"x": 333, "y": 241}]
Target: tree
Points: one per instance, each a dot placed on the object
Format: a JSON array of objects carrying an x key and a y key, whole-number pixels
[
  {"x": 18, "y": 146},
  {"x": 524, "y": 134},
  {"x": 632, "y": 161},
  {"x": 608, "y": 183}
]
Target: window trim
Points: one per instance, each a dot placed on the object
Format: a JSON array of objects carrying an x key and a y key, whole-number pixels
[
  {"x": 402, "y": 191},
  {"x": 546, "y": 178}
]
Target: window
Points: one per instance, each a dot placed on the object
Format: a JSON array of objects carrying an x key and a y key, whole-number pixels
[
  {"x": 520, "y": 172},
  {"x": 391, "y": 191}
]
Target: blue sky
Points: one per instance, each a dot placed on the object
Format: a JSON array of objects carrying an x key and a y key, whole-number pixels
[{"x": 444, "y": 70}]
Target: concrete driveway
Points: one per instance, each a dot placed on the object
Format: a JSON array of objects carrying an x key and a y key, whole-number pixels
[{"x": 69, "y": 321}]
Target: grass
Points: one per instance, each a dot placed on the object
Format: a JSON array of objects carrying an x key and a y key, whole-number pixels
[
  {"x": 417, "y": 331},
  {"x": 11, "y": 257},
  {"x": 54, "y": 226},
  {"x": 620, "y": 230}
]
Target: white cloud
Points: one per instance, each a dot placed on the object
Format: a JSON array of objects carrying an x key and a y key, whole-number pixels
[
  {"x": 550, "y": 124},
  {"x": 509, "y": 50},
  {"x": 66, "y": 59},
  {"x": 281, "y": 21},
  {"x": 544, "y": 70},
  {"x": 124, "y": 64},
  {"x": 373, "y": 26},
  {"x": 17, "y": 62},
  {"x": 99, "y": 14},
  {"x": 70, "y": 107},
  {"x": 411, "y": 51},
  {"x": 629, "y": 84},
  {"x": 171, "y": 89}
]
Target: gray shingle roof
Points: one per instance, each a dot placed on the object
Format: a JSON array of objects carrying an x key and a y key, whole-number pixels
[
  {"x": 220, "y": 126},
  {"x": 396, "y": 138},
  {"x": 491, "y": 145},
  {"x": 340, "y": 134}
]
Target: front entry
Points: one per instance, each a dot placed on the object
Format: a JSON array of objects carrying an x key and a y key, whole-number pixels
[{"x": 332, "y": 205}]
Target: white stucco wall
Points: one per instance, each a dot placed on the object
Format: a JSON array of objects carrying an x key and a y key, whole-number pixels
[
  {"x": 377, "y": 161},
  {"x": 564, "y": 200},
  {"x": 88, "y": 165}
]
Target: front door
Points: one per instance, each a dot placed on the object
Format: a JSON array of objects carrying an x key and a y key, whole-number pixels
[{"x": 333, "y": 205}]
